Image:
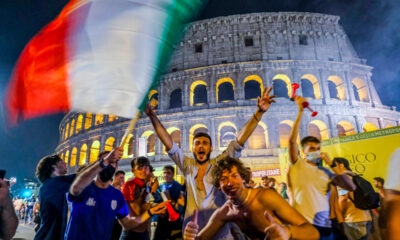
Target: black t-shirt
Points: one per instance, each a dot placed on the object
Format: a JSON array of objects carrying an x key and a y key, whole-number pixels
[{"x": 54, "y": 207}]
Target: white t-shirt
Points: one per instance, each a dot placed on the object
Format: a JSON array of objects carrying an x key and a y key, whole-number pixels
[
  {"x": 310, "y": 188},
  {"x": 393, "y": 176}
]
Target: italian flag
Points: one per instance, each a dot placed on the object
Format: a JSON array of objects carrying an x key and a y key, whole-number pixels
[{"x": 100, "y": 56}]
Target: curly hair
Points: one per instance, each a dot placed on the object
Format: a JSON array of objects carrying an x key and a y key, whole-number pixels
[
  {"x": 45, "y": 167},
  {"x": 228, "y": 163}
]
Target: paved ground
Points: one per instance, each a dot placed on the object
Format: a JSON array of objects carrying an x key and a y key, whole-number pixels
[{"x": 24, "y": 231}]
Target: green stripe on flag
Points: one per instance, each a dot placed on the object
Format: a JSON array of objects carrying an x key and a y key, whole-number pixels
[{"x": 180, "y": 14}]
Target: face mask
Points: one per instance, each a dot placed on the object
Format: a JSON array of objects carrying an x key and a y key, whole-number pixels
[
  {"x": 314, "y": 157},
  {"x": 107, "y": 173}
]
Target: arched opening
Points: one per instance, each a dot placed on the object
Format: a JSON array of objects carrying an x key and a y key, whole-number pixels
[
  {"x": 345, "y": 128},
  {"x": 128, "y": 147},
  {"x": 285, "y": 127},
  {"x": 175, "y": 135},
  {"x": 389, "y": 126},
  {"x": 62, "y": 156},
  {"x": 225, "y": 90},
  {"x": 282, "y": 86},
  {"x": 253, "y": 87},
  {"x": 66, "y": 131},
  {"x": 112, "y": 118},
  {"x": 310, "y": 87},
  {"x": 198, "y": 93},
  {"x": 73, "y": 157},
  {"x": 82, "y": 155},
  {"x": 154, "y": 95},
  {"x": 66, "y": 159},
  {"x": 71, "y": 131},
  {"x": 194, "y": 130},
  {"x": 318, "y": 129},
  {"x": 337, "y": 88},
  {"x": 94, "y": 151},
  {"x": 109, "y": 144},
  {"x": 99, "y": 119},
  {"x": 226, "y": 133},
  {"x": 259, "y": 138},
  {"x": 360, "y": 90},
  {"x": 79, "y": 123},
  {"x": 368, "y": 127},
  {"x": 151, "y": 142},
  {"x": 88, "y": 120},
  {"x": 175, "y": 99}
]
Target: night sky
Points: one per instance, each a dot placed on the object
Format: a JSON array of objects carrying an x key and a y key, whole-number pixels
[{"x": 373, "y": 27}]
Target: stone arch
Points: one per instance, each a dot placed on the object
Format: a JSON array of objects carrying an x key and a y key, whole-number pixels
[
  {"x": 98, "y": 119},
  {"x": 151, "y": 142},
  {"x": 368, "y": 127},
  {"x": 94, "y": 151},
  {"x": 227, "y": 132},
  {"x": 314, "y": 83},
  {"x": 128, "y": 147},
  {"x": 79, "y": 122},
  {"x": 285, "y": 127},
  {"x": 112, "y": 118},
  {"x": 361, "y": 90},
  {"x": 153, "y": 94},
  {"x": 259, "y": 138},
  {"x": 253, "y": 87},
  {"x": 225, "y": 90},
  {"x": 88, "y": 120},
  {"x": 74, "y": 154},
  {"x": 71, "y": 131},
  {"x": 66, "y": 159},
  {"x": 198, "y": 93},
  {"x": 109, "y": 144},
  {"x": 175, "y": 99},
  {"x": 82, "y": 155},
  {"x": 318, "y": 129},
  {"x": 280, "y": 81},
  {"x": 194, "y": 130},
  {"x": 345, "y": 128},
  {"x": 339, "y": 87},
  {"x": 66, "y": 131}
]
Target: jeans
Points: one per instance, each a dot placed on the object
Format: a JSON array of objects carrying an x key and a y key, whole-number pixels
[{"x": 324, "y": 233}]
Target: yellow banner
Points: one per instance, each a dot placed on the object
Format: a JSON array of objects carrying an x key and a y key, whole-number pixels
[{"x": 368, "y": 153}]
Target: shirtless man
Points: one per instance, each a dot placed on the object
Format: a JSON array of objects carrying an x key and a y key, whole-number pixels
[{"x": 260, "y": 213}]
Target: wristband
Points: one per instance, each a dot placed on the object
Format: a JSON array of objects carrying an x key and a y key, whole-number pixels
[
  {"x": 254, "y": 116},
  {"x": 148, "y": 211}
]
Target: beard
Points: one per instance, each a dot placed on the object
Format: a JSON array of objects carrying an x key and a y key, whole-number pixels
[{"x": 197, "y": 160}]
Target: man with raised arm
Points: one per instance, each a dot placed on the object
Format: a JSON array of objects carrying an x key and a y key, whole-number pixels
[
  {"x": 309, "y": 181},
  {"x": 201, "y": 193},
  {"x": 96, "y": 204}
]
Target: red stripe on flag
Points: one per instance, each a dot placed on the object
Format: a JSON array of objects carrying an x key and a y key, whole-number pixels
[{"x": 39, "y": 82}]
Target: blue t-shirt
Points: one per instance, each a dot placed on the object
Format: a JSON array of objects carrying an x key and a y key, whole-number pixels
[
  {"x": 53, "y": 207},
  {"x": 94, "y": 211},
  {"x": 174, "y": 189}
]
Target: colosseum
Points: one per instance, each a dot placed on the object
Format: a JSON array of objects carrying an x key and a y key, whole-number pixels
[{"x": 215, "y": 76}]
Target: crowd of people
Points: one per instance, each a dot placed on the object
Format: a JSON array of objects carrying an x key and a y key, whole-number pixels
[{"x": 322, "y": 199}]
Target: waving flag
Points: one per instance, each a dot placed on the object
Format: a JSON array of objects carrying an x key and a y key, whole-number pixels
[{"x": 100, "y": 56}]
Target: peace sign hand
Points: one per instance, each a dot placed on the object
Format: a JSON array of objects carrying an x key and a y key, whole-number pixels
[{"x": 265, "y": 101}]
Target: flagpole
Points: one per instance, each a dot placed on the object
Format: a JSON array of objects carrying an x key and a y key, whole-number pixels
[{"x": 132, "y": 124}]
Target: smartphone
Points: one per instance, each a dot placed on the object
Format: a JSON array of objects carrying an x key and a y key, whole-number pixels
[{"x": 2, "y": 173}]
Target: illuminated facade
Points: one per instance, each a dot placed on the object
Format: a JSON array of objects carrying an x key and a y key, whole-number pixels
[{"x": 215, "y": 76}]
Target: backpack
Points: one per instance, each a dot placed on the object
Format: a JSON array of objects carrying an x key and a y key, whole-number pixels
[{"x": 365, "y": 197}]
